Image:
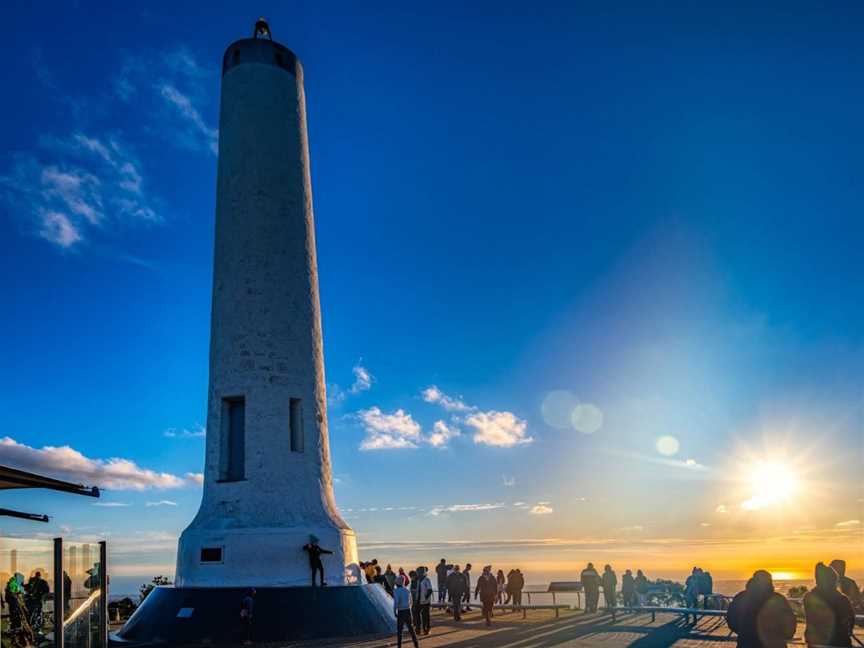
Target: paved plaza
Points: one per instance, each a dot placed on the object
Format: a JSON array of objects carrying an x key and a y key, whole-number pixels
[{"x": 571, "y": 629}]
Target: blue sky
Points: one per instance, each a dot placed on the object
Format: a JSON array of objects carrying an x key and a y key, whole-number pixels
[{"x": 655, "y": 208}]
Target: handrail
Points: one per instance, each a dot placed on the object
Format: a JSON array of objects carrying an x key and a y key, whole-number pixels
[{"x": 80, "y": 609}]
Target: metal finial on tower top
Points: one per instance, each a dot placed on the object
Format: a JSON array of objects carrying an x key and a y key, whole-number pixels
[{"x": 262, "y": 29}]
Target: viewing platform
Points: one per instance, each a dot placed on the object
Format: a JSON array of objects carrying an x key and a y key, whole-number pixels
[{"x": 539, "y": 628}]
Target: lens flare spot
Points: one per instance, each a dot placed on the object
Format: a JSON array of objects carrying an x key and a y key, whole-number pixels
[
  {"x": 557, "y": 407},
  {"x": 587, "y": 418},
  {"x": 668, "y": 446}
]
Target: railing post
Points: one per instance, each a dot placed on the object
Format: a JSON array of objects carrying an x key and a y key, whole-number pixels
[
  {"x": 555, "y": 604},
  {"x": 103, "y": 596},
  {"x": 59, "y": 592}
]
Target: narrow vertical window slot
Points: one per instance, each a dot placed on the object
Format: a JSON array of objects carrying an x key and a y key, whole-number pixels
[
  {"x": 233, "y": 454},
  {"x": 296, "y": 424}
]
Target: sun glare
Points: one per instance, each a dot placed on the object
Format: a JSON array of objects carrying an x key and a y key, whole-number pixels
[{"x": 771, "y": 483}]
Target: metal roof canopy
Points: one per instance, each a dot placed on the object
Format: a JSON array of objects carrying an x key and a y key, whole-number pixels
[{"x": 12, "y": 478}]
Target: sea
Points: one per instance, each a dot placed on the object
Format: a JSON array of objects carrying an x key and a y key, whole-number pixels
[{"x": 538, "y": 590}]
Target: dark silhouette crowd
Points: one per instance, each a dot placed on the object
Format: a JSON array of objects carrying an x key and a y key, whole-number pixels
[
  {"x": 760, "y": 616},
  {"x": 763, "y": 618}
]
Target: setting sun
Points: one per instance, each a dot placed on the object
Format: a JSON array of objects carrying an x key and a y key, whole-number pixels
[{"x": 771, "y": 483}]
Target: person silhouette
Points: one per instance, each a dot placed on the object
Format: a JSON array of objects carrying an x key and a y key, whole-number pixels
[
  {"x": 829, "y": 614},
  {"x": 315, "y": 552},
  {"x": 761, "y": 617}
]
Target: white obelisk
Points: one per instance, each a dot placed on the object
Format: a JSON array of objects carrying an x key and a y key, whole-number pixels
[{"x": 267, "y": 480}]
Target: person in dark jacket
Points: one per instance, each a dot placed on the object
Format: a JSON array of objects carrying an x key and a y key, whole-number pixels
[
  {"x": 424, "y": 594},
  {"x": 315, "y": 552},
  {"x": 848, "y": 586},
  {"x": 414, "y": 589},
  {"x": 761, "y": 617},
  {"x": 487, "y": 592},
  {"x": 37, "y": 591},
  {"x": 456, "y": 590},
  {"x": 509, "y": 587},
  {"x": 610, "y": 586},
  {"x": 442, "y": 569},
  {"x": 591, "y": 585},
  {"x": 642, "y": 585},
  {"x": 628, "y": 589},
  {"x": 829, "y": 614},
  {"x": 247, "y": 611},
  {"x": 381, "y": 579},
  {"x": 466, "y": 574},
  {"x": 518, "y": 584}
]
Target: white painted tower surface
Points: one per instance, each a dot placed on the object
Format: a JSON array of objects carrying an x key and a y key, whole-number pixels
[{"x": 267, "y": 480}]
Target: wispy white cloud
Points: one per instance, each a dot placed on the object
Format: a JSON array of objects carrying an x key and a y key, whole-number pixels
[
  {"x": 335, "y": 395},
  {"x": 848, "y": 524},
  {"x": 195, "y": 478},
  {"x": 441, "y": 434},
  {"x": 722, "y": 509},
  {"x": 501, "y": 429},
  {"x": 508, "y": 480},
  {"x": 452, "y": 404},
  {"x": 65, "y": 462},
  {"x": 209, "y": 137},
  {"x": 197, "y": 432},
  {"x": 362, "y": 379},
  {"x": 55, "y": 227},
  {"x": 542, "y": 508},
  {"x": 388, "y": 431},
  {"x": 463, "y": 508},
  {"x": 162, "y": 503},
  {"x": 112, "y": 504},
  {"x": 69, "y": 188}
]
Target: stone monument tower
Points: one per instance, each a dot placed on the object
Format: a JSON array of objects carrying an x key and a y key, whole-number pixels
[{"x": 267, "y": 479}]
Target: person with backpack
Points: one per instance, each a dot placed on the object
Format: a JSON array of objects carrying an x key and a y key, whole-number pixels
[{"x": 829, "y": 614}]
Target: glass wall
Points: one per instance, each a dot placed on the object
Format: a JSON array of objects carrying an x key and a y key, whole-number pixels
[
  {"x": 27, "y": 580},
  {"x": 82, "y": 618}
]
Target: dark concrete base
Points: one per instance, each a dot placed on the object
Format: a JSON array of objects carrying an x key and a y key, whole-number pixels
[{"x": 194, "y": 615}]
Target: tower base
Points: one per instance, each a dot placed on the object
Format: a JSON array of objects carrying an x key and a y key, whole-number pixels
[{"x": 211, "y": 615}]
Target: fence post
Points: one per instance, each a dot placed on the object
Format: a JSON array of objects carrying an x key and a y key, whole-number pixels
[
  {"x": 555, "y": 604},
  {"x": 59, "y": 592},
  {"x": 103, "y": 596}
]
